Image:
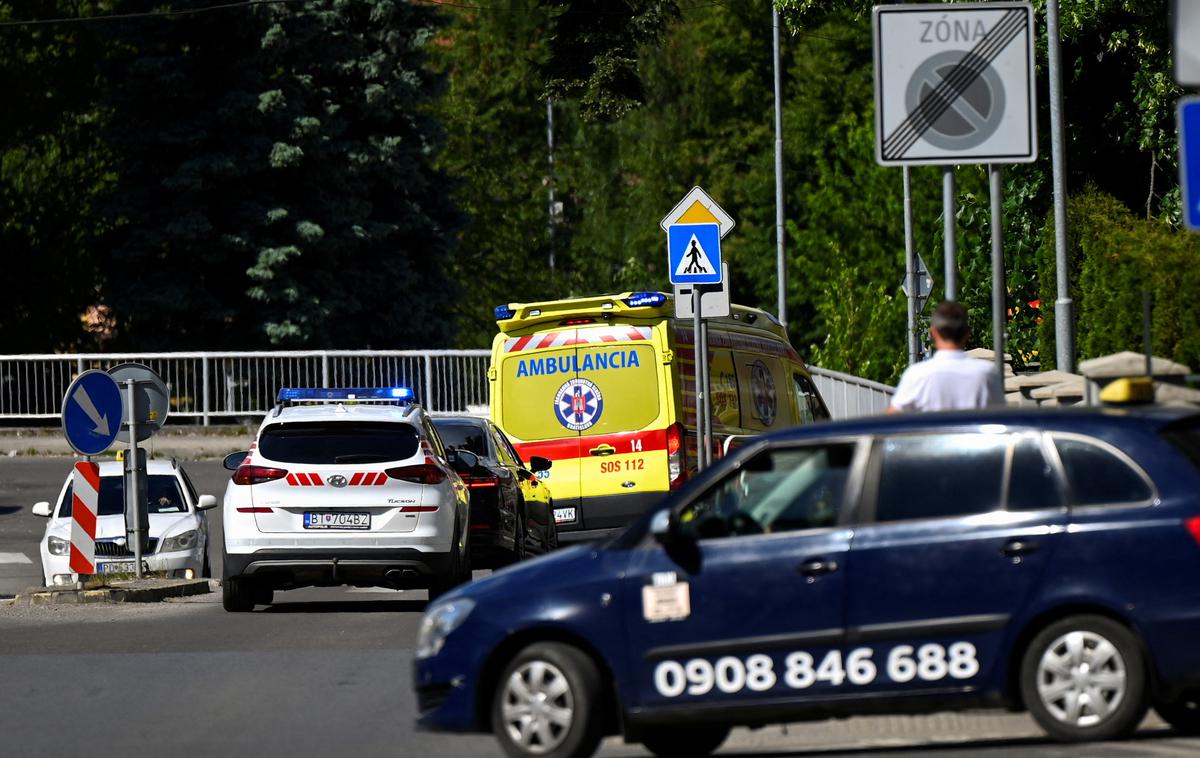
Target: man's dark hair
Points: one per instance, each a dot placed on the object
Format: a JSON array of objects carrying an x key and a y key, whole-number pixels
[{"x": 950, "y": 320}]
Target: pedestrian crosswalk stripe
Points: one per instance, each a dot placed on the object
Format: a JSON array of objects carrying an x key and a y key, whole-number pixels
[{"x": 14, "y": 558}]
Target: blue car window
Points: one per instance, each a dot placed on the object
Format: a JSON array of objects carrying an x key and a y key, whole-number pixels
[
  {"x": 779, "y": 491},
  {"x": 941, "y": 476},
  {"x": 1032, "y": 485},
  {"x": 1098, "y": 477}
]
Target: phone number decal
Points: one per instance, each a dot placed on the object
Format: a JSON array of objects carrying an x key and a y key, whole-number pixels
[{"x": 757, "y": 673}]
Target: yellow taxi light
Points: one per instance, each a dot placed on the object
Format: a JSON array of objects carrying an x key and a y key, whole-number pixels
[{"x": 1128, "y": 391}]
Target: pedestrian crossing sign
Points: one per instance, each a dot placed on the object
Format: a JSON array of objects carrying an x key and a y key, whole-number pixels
[{"x": 694, "y": 253}]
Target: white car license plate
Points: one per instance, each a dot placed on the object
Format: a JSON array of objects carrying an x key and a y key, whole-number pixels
[
  {"x": 563, "y": 515},
  {"x": 336, "y": 520},
  {"x": 119, "y": 567}
]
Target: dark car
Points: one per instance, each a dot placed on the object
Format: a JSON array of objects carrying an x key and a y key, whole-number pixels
[
  {"x": 512, "y": 514},
  {"x": 1022, "y": 559}
]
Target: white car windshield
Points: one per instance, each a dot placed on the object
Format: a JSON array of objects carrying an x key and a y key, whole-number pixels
[{"x": 162, "y": 492}]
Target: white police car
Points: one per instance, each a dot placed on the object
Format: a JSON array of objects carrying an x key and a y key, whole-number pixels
[
  {"x": 178, "y": 528},
  {"x": 344, "y": 486}
]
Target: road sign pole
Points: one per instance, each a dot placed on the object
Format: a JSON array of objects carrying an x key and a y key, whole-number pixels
[
  {"x": 131, "y": 481},
  {"x": 949, "y": 233},
  {"x": 999, "y": 289},
  {"x": 780, "y": 261},
  {"x": 708, "y": 434},
  {"x": 697, "y": 379},
  {"x": 1064, "y": 319},
  {"x": 910, "y": 267}
]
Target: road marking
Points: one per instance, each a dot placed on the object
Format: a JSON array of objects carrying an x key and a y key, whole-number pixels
[
  {"x": 14, "y": 558},
  {"x": 374, "y": 591}
]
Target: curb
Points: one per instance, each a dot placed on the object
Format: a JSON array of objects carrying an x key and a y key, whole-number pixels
[{"x": 156, "y": 592}]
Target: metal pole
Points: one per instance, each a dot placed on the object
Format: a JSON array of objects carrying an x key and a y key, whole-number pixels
[
  {"x": 428, "y": 399},
  {"x": 1147, "y": 344},
  {"x": 910, "y": 267},
  {"x": 204, "y": 392},
  {"x": 550, "y": 178},
  {"x": 708, "y": 435},
  {"x": 999, "y": 289},
  {"x": 780, "y": 261},
  {"x": 949, "y": 232},
  {"x": 698, "y": 356},
  {"x": 1064, "y": 316},
  {"x": 131, "y": 485}
]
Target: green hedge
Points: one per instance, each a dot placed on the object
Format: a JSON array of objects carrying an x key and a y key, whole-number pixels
[{"x": 1113, "y": 255}]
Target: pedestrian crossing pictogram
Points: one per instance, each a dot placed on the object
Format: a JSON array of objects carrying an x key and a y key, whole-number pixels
[{"x": 694, "y": 253}]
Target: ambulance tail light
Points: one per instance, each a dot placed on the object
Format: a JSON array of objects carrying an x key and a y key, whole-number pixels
[
  {"x": 247, "y": 474},
  {"x": 424, "y": 473},
  {"x": 676, "y": 459}
]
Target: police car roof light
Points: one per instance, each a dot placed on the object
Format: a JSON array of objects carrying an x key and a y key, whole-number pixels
[
  {"x": 644, "y": 299},
  {"x": 357, "y": 394}
]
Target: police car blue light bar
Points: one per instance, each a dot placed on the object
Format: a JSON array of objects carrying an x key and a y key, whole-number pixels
[
  {"x": 642, "y": 299},
  {"x": 504, "y": 313},
  {"x": 319, "y": 394}
]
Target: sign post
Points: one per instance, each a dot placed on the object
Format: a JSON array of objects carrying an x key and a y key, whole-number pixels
[
  {"x": 954, "y": 83},
  {"x": 695, "y": 227},
  {"x": 1186, "y": 17}
]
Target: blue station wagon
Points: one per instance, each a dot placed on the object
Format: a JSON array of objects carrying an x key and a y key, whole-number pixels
[{"x": 1022, "y": 559}]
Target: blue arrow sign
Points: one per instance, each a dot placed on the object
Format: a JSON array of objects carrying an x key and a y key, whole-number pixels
[
  {"x": 694, "y": 253},
  {"x": 91, "y": 414},
  {"x": 1189, "y": 160}
]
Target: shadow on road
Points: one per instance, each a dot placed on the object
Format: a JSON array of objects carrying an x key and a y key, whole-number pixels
[
  {"x": 1030, "y": 744},
  {"x": 8, "y": 510},
  {"x": 349, "y": 606}
]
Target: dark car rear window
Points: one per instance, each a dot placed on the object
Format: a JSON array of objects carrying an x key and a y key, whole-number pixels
[
  {"x": 1186, "y": 437},
  {"x": 464, "y": 435},
  {"x": 323, "y": 442},
  {"x": 162, "y": 491}
]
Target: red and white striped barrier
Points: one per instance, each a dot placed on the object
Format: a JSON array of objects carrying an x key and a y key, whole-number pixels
[{"x": 85, "y": 499}]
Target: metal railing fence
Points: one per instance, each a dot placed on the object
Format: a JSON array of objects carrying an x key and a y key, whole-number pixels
[
  {"x": 849, "y": 396},
  {"x": 227, "y": 385}
]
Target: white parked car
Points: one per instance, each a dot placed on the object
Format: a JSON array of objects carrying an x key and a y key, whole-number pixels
[
  {"x": 178, "y": 528},
  {"x": 345, "y": 487}
]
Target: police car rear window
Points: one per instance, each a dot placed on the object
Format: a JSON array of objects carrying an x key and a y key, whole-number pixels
[{"x": 333, "y": 442}]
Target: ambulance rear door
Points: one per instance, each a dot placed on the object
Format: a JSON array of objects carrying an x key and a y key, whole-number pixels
[
  {"x": 537, "y": 388},
  {"x": 623, "y": 445}
]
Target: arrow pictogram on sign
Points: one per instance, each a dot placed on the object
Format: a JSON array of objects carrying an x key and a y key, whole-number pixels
[{"x": 85, "y": 402}]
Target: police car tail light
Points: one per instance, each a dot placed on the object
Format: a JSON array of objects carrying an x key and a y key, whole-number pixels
[
  {"x": 424, "y": 473},
  {"x": 676, "y": 462},
  {"x": 247, "y": 474},
  {"x": 1193, "y": 527}
]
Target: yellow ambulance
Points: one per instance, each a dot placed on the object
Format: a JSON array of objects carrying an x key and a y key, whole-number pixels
[{"x": 605, "y": 387}]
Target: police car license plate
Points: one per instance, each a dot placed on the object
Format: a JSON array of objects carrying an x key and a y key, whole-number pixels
[
  {"x": 563, "y": 515},
  {"x": 338, "y": 520}
]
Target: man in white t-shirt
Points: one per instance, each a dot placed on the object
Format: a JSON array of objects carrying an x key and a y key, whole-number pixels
[{"x": 950, "y": 380}]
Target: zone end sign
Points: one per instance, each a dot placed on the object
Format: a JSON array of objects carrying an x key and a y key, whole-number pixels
[{"x": 954, "y": 83}]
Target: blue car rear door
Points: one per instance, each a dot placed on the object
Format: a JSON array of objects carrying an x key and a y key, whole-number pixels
[
  {"x": 960, "y": 527},
  {"x": 746, "y": 617}
]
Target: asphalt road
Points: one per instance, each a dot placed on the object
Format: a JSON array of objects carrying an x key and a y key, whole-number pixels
[{"x": 325, "y": 672}]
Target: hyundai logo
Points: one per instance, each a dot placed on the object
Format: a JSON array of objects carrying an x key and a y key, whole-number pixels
[{"x": 337, "y": 480}]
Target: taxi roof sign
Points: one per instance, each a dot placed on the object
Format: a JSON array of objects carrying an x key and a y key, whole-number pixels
[{"x": 697, "y": 207}]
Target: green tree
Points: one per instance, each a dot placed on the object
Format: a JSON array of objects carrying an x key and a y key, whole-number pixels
[
  {"x": 275, "y": 183},
  {"x": 53, "y": 171}
]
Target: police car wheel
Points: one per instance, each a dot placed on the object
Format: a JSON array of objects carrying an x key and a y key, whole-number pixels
[
  {"x": 1083, "y": 678},
  {"x": 687, "y": 742},
  {"x": 549, "y": 703},
  {"x": 1182, "y": 714},
  {"x": 237, "y": 596},
  {"x": 460, "y": 571}
]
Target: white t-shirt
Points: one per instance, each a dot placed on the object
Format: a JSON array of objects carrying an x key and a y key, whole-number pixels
[{"x": 950, "y": 380}]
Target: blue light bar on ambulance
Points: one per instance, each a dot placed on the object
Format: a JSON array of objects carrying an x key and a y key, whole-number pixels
[
  {"x": 504, "y": 313},
  {"x": 318, "y": 394},
  {"x": 641, "y": 299}
]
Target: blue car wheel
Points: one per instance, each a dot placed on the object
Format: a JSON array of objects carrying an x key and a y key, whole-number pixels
[{"x": 549, "y": 703}]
